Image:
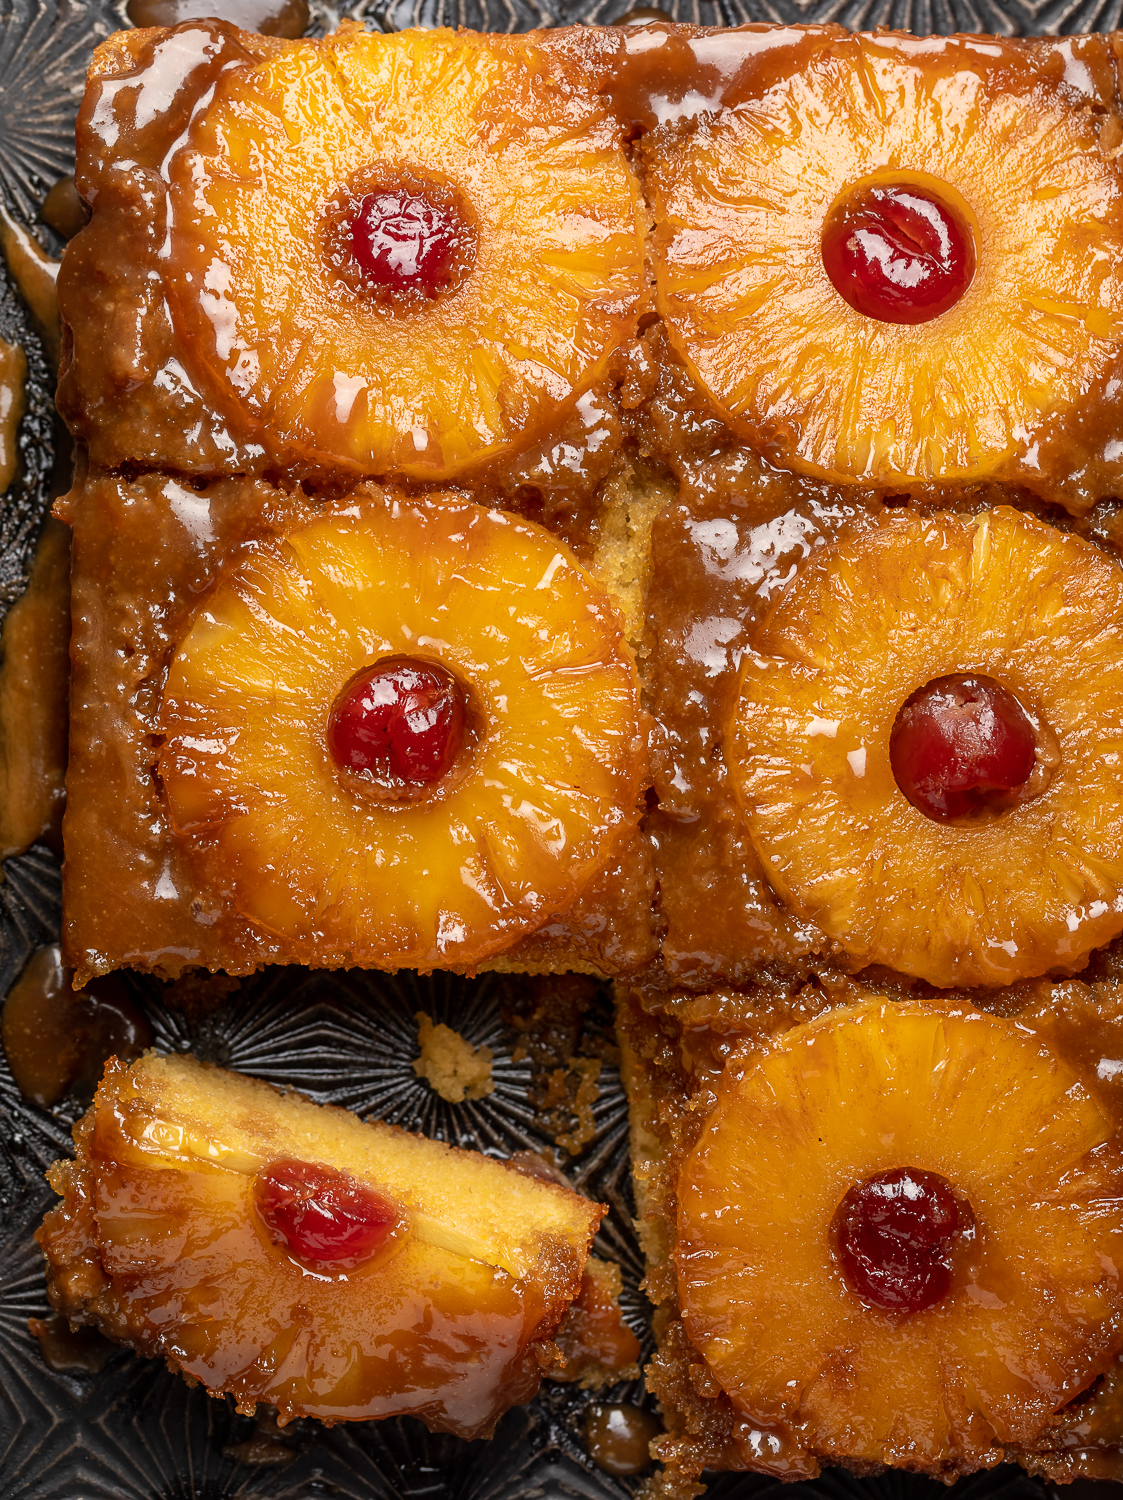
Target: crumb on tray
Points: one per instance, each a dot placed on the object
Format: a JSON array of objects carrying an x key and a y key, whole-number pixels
[{"x": 451, "y": 1066}]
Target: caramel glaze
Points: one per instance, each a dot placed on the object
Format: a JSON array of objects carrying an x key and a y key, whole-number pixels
[
  {"x": 618, "y": 1436},
  {"x": 464, "y": 1339},
  {"x": 69, "y": 1351},
  {"x": 13, "y": 403},
  {"x": 145, "y": 550},
  {"x": 35, "y": 275},
  {"x": 677, "y": 1043},
  {"x": 162, "y": 1252},
  {"x": 34, "y": 671},
  {"x": 598, "y": 1346},
  {"x": 56, "y": 1040},
  {"x": 120, "y": 338},
  {"x": 287, "y": 18},
  {"x": 63, "y": 210}
]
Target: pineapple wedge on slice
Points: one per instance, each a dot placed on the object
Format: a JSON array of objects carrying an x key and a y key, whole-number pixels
[{"x": 159, "y": 1242}]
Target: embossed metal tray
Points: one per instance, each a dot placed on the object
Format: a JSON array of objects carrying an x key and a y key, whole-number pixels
[{"x": 133, "y": 1431}]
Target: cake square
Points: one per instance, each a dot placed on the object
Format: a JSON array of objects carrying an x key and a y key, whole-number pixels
[
  {"x": 246, "y": 298},
  {"x": 141, "y": 891}
]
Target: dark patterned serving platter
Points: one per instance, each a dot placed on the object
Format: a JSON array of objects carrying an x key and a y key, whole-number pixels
[{"x": 130, "y": 1430}]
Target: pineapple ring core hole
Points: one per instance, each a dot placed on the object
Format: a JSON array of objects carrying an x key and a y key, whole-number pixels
[
  {"x": 901, "y": 250},
  {"x": 403, "y": 240},
  {"x": 402, "y": 729},
  {"x": 964, "y": 748},
  {"x": 893, "y": 1237}
]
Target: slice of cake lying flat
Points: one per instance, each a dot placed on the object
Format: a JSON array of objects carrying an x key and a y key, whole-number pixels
[{"x": 282, "y": 1251}]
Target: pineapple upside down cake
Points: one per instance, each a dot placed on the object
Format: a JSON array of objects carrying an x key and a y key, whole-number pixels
[
  {"x": 288, "y": 1252},
  {"x": 643, "y": 500}
]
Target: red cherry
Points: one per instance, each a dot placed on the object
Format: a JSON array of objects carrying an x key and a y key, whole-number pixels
[
  {"x": 401, "y": 719},
  {"x": 960, "y": 745},
  {"x": 322, "y": 1215},
  {"x": 897, "y": 253},
  {"x": 409, "y": 242},
  {"x": 894, "y": 1237}
]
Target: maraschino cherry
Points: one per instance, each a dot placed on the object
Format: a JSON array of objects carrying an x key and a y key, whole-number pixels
[
  {"x": 321, "y": 1215},
  {"x": 962, "y": 745},
  {"x": 402, "y": 720},
  {"x": 895, "y": 252},
  {"x": 894, "y": 1234},
  {"x": 409, "y": 243}
]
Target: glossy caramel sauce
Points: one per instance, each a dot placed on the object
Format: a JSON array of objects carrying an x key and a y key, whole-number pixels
[
  {"x": 58, "y": 1040},
  {"x": 287, "y": 18},
  {"x": 1082, "y": 1442},
  {"x": 63, "y": 210},
  {"x": 13, "y": 402},
  {"x": 128, "y": 600},
  {"x": 598, "y": 1346},
  {"x": 35, "y": 275},
  {"x": 718, "y": 557},
  {"x": 34, "y": 673},
  {"x": 619, "y": 1435},
  {"x": 68, "y": 1351},
  {"x": 267, "y": 1446}
]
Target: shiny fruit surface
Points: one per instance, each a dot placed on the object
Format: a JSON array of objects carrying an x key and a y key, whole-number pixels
[
  {"x": 409, "y": 243},
  {"x": 960, "y": 745},
  {"x": 920, "y": 370},
  {"x": 1013, "y": 891},
  {"x": 198, "y": 1223},
  {"x": 322, "y": 1215},
  {"x": 897, "y": 253},
  {"x": 894, "y": 1234},
  {"x": 400, "y": 718},
  {"x": 859, "y": 1101},
  {"x": 270, "y": 689},
  {"x": 455, "y": 248}
]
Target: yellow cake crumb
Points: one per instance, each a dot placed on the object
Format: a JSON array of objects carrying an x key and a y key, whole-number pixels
[
  {"x": 623, "y": 551},
  {"x": 449, "y": 1064}
]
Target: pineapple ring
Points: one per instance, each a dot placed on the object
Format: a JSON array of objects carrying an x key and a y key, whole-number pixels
[
  {"x": 499, "y": 847},
  {"x": 864, "y": 624},
  {"x": 1035, "y": 1312},
  {"x": 326, "y": 375},
  {"x": 740, "y": 204}
]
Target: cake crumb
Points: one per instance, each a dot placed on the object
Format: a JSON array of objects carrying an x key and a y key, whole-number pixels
[
  {"x": 599, "y": 1348},
  {"x": 576, "y": 1089},
  {"x": 451, "y": 1066}
]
